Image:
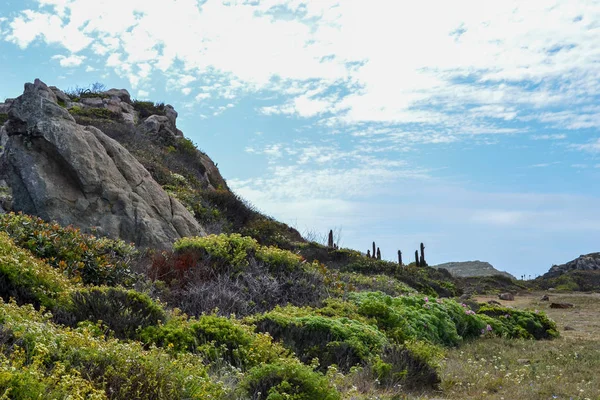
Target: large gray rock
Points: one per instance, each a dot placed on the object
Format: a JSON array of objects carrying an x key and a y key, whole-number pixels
[
  {"x": 159, "y": 125},
  {"x": 63, "y": 171},
  {"x": 587, "y": 262}
]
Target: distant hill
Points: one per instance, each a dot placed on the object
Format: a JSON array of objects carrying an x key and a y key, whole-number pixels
[
  {"x": 587, "y": 262},
  {"x": 472, "y": 268}
]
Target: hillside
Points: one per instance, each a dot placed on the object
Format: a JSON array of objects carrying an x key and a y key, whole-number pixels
[
  {"x": 129, "y": 270},
  {"x": 580, "y": 274},
  {"x": 472, "y": 268}
]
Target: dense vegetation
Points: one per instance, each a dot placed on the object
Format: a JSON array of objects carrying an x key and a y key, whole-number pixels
[{"x": 75, "y": 318}]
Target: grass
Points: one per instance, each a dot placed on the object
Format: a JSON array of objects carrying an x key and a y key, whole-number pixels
[{"x": 565, "y": 368}]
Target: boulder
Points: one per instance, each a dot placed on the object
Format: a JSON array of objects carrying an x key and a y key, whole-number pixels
[
  {"x": 561, "y": 305},
  {"x": 158, "y": 125},
  {"x": 60, "y": 95},
  {"x": 121, "y": 94},
  {"x": 545, "y": 298},
  {"x": 59, "y": 170},
  {"x": 506, "y": 296},
  {"x": 94, "y": 102}
]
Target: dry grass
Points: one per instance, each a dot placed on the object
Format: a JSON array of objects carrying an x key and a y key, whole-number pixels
[{"x": 565, "y": 368}]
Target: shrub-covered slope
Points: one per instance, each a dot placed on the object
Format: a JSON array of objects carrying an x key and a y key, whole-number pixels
[{"x": 309, "y": 334}]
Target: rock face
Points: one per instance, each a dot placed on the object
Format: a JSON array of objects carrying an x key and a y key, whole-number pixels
[
  {"x": 62, "y": 171},
  {"x": 588, "y": 262},
  {"x": 472, "y": 268}
]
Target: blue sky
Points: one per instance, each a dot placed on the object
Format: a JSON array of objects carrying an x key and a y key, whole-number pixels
[{"x": 471, "y": 126}]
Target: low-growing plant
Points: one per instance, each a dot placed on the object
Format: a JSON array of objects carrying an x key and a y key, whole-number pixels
[
  {"x": 287, "y": 380},
  {"x": 148, "y": 108},
  {"x": 237, "y": 251},
  {"x": 341, "y": 341},
  {"x": 118, "y": 369},
  {"x": 27, "y": 279},
  {"x": 513, "y": 323},
  {"x": 99, "y": 113},
  {"x": 216, "y": 339},
  {"x": 124, "y": 312},
  {"x": 3, "y": 118},
  {"x": 96, "y": 261}
]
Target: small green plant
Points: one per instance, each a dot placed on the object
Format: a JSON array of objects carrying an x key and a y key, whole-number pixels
[
  {"x": 101, "y": 113},
  {"x": 148, "y": 108},
  {"x": 3, "y": 118}
]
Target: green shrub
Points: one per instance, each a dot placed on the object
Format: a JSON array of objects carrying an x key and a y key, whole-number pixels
[
  {"x": 513, "y": 323},
  {"x": 124, "y": 312},
  {"x": 96, "y": 261},
  {"x": 27, "y": 279},
  {"x": 3, "y": 118},
  {"x": 216, "y": 339},
  {"x": 416, "y": 317},
  {"x": 148, "y": 108},
  {"x": 31, "y": 382},
  {"x": 413, "y": 365},
  {"x": 237, "y": 251},
  {"x": 287, "y": 381},
  {"x": 341, "y": 341},
  {"x": 120, "y": 370}
]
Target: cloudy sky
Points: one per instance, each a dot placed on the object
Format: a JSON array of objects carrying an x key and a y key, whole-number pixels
[{"x": 469, "y": 125}]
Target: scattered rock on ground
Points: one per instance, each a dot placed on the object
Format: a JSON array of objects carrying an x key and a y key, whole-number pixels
[
  {"x": 545, "y": 298},
  {"x": 506, "y": 296},
  {"x": 561, "y": 305}
]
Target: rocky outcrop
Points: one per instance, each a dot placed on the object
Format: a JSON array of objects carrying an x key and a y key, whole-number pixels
[
  {"x": 472, "y": 268},
  {"x": 588, "y": 262},
  {"x": 62, "y": 171}
]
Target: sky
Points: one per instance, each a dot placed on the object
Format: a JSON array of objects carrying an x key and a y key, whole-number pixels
[{"x": 471, "y": 126}]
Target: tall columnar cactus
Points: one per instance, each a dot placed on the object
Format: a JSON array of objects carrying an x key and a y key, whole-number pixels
[
  {"x": 369, "y": 253},
  {"x": 422, "y": 262},
  {"x": 330, "y": 239},
  {"x": 417, "y": 257},
  {"x": 378, "y": 254},
  {"x": 373, "y": 250},
  {"x": 399, "y": 258}
]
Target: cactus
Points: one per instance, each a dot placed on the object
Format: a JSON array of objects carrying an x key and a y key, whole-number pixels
[
  {"x": 422, "y": 262},
  {"x": 330, "y": 239},
  {"x": 369, "y": 253},
  {"x": 399, "y": 258},
  {"x": 373, "y": 250},
  {"x": 417, "y": 257},
  {"x": 378, "y": 254}
]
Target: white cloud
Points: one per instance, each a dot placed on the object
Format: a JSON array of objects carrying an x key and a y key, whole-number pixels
[
  {"x": 352, "y": 62},
  {"x": 186, "y": 91},
  {"x": 559, "y": 136},
  {"x": 69, "y": 61},
  {"x": 499, "y": 217},
  {"x": 202, "y": 96},
  {"x": 591, "y": 147}
]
